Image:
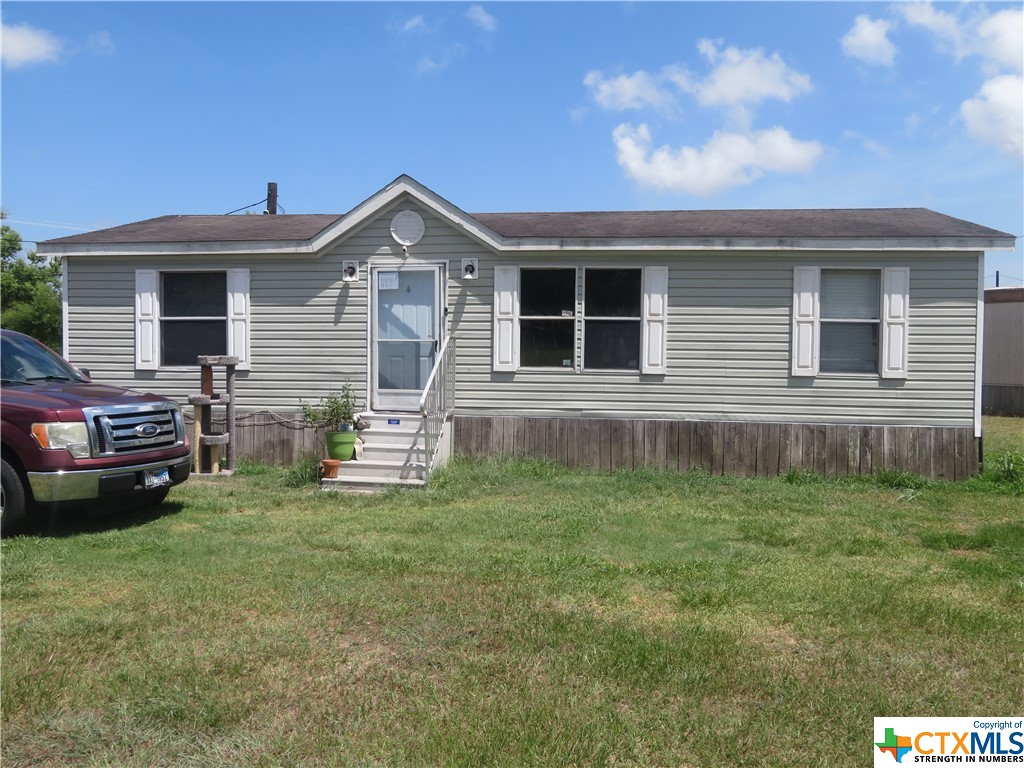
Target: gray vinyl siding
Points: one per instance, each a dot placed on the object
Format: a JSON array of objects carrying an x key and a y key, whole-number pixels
[
  {"x": 1004, "y": 343},
  {"x": 728, "y": 337},
  {"x": 728, "y": 348},
  {"x": 307, "y": 333}
]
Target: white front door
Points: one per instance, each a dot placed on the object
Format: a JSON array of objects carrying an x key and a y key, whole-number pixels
[{"x": 407, "y": 326}]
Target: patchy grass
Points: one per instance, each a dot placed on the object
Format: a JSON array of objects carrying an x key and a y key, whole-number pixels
[
  {"x": 513, "y": 614},
  {"x": 1003, "y": 433}
]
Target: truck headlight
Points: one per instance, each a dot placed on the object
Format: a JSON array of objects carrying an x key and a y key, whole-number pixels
[{"x": 70, "y": 436}]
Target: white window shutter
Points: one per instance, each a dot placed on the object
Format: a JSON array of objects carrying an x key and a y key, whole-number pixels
[
  {"x": 147, "y": 332},
  {"x": 895, "y": 321},
  {"x": 238, "y": 315},
  {"x": 806, "y": 327},
  {"x": 506, "y": 318},
  {"x": 654, "y": 333}
]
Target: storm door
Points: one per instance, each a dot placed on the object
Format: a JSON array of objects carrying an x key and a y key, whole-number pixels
[{"x": 407, "y": 330}]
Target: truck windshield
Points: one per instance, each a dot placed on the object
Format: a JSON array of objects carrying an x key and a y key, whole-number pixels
[{"x": 24, "y": 361}]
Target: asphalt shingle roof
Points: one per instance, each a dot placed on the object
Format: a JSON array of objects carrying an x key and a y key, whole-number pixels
[
  {"x": 855, "y": 222},
  {"x": 797, "y": 223},
  {"x": 207, "y": 229}
]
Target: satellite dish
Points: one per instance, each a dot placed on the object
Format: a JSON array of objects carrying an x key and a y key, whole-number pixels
[{"x": 407, "y": 228}]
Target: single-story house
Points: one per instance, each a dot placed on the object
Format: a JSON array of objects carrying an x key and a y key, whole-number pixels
[
  {"x": 1002, "y": 377},
  {"x": 746, "y": 341}
]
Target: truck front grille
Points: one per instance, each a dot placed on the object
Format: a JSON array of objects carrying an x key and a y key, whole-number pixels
[{"x": 124, "y": 429}]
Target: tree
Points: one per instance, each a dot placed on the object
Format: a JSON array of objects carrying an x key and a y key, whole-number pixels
[{"x": 30, "y": 291}]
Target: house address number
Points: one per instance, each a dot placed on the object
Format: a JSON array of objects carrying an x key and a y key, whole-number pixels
[{"x": 387, "y": 281}]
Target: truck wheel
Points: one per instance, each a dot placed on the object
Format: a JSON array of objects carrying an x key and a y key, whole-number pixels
[{"x": 12, "y": 499}]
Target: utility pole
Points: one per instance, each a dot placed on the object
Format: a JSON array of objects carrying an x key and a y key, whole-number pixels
[
  {"x": 997, "y": 278},
  {"x": 272, "y": 197}
]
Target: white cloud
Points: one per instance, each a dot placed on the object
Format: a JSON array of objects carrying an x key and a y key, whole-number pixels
[
  {"x": 1000, "y": 39},
  {"x": 431, "y": 64},
  {"x": 997, "y": 38},
  {"x": 911, "y": 123},
  {"x": 414, "y": 24},
  {"x": 944, "y": 26},
  {"x": 23, "y": 44},
  {"x": 727, "y": 160},
  {"x": 102, "y": 44},
  {"x": 868, "y": 42},
  {"x": 738, "y": 79},
  {"x": 482, "y": 18},
  {"x": 636, "y": 91},
  {"x": 868, "y": 143},
  {"x": 995, "y": 115},
  {"x": 427, "y": 64},
  {"x": 742, "y": 77}
]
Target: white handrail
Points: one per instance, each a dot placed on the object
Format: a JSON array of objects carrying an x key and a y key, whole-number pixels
[
  {"x": 433, "y": 375},
  {"x": 438, "y": 399}
]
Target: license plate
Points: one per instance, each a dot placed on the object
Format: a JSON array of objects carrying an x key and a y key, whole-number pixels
[{"x": 154, "y": 478}]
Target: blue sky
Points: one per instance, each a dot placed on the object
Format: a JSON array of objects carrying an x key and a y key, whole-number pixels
[{"x": 115, "y": 112}]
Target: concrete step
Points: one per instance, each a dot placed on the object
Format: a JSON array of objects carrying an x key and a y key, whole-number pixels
[
  {"x": 416, "y": 454},
  {"x": 367, "y": 485},
  {"x": 373, "y": 469},
  {"x": 391, "y": 421},
  {"x": 393, "y": 454},
  {"x": 407, "y": 437}
]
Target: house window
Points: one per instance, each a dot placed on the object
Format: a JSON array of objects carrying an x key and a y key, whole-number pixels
[
  {"x": 612, "y": 300},
  {"x": 193, "y": 316},
  {"x": 180, "y": 315},
  {"x": 850, "y": 320},
  {"x": 547, "y": 324},
  {"x": 623, "y": 326}
]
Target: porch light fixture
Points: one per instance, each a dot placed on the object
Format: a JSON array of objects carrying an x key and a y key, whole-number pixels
[
  {"x": 470, "y": 267},
  {"x": 350, "y": 272}
]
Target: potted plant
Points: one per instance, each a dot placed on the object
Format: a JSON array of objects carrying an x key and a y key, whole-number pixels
[{"x": 337, "y": 414}]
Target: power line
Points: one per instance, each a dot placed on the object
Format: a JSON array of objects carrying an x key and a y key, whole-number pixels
[
  {"x": 261, "y": 202},
  {"x": 55, "y": 224}
]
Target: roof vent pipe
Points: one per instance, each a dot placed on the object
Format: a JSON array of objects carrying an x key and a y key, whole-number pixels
[{"x": 272, "y": 197}]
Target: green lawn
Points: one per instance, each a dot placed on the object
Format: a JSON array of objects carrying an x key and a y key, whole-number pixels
[{"x": 516, "y": 614}]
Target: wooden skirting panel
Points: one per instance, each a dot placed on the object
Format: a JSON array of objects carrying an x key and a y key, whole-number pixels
[
  {"x": 722, "y": 447},
  {"x": 270, "y": 438},
  {"x": 1002, "y": 399}
]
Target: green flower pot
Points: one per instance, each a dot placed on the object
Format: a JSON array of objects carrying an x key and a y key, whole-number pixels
[{"x": 341, "y": 445}]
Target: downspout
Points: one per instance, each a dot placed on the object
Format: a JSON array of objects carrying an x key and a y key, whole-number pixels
[{"x": 979, "y": 345}]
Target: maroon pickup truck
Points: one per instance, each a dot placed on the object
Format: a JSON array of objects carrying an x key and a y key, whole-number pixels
[{"x": 67, "y": 441}]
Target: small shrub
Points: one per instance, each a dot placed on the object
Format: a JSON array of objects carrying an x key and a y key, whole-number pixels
[
  {"x": 305, "y": 471},
  {"x": 803, "y": 476},
  {"x": 897, "y": 478},
  {"x": 1005, "y": 467},
  {"x": 336, "y": 412},
  {"x": 246, "y": 467}
]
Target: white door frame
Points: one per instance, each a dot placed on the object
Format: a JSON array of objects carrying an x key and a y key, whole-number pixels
[{"x": 440, "y": 271}]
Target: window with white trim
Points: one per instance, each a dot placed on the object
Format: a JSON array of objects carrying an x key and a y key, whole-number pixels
[
  {"x": 612, "y": 307},
  {"x": 547, "y": 318},
  {"x": 621, "y": 327},
  {"x": 180, "y": 315},
  {"x": 193, "y": 316},
  {"x": 850, "y": 321}
]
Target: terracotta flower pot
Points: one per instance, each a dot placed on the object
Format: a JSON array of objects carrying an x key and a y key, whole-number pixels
[{"x": 329, "y": 467}]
